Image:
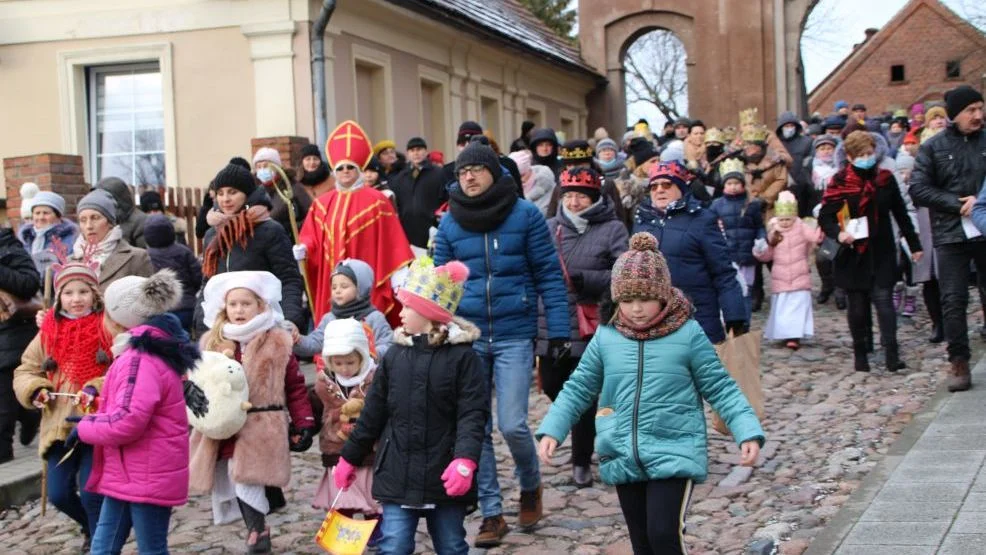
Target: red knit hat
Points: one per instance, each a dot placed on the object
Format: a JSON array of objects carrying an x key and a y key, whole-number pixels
[{"x": 641, "y": 272}]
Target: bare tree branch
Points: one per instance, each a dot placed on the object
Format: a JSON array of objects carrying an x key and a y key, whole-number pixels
[{"x": 657, "y": 74}]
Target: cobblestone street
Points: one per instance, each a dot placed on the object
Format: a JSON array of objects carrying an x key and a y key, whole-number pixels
[{"x": 827, "y": 426}]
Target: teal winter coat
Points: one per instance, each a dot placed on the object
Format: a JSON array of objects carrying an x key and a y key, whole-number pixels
[{"x": 655, "y": 389}]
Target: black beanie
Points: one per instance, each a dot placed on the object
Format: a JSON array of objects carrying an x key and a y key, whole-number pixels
[
  {"x": 374, "y": 165},
  {"x": 960, "y": 98},
  {"x": 158, "y": 231},
  {"x": 416, "y": 142},
  {"x": 479, "y": 154},
  {"x": 467, "y": 130},
  {"x": 151, "y": 200},
  {"x": 310, "y": 150},
  {"x": 642, "y": 150},
  {"x": 241, "y": 162},
  {"x": 526, "y": 127},
  {"x": 235, "y": 176}
]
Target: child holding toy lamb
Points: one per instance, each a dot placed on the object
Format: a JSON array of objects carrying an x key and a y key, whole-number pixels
[{"x": 243, "y": 312}]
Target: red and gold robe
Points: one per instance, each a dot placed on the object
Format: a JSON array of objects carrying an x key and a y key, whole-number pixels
[{"x": 359, "y": 224}]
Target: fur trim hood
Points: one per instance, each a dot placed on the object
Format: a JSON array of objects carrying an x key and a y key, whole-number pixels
[{"x": 459, "y": 331}]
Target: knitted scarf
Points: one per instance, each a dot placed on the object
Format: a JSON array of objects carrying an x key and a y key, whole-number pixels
[
  {"x": 230, "y": 231},
  {"x": 486, "y": 211},
  {"x": 675, "y": 313},
  {"x": 357, "y": 310},
  {"x": 99, "y": 252},
  {"x": 78, "y": 350}
]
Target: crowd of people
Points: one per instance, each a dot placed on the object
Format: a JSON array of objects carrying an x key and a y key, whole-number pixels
[{"x": 423, "y": 290}]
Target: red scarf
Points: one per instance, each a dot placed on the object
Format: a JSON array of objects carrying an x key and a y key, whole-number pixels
[
  {"x": 79, "y": 349},
  {"x": 848, "y": 184}
]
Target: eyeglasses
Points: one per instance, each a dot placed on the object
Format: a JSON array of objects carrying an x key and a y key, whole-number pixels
[
  {"x": 474, "y": 171},
  {"x": 664, "y": 184},
  {"x": 347, "y": 167}
]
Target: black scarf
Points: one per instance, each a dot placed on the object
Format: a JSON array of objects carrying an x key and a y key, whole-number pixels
[
  {"x": 488, "y": 210},
  {"x": 358, "y": 309},
  {"x": 314, "y": 178}
]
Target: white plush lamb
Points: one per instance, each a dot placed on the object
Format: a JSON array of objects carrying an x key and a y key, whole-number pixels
[{"x": 223, "y": 382}]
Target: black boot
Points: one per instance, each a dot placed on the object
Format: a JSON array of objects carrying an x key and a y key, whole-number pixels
[
  {"x": 757, "y": 297},
  {"x": 823, "y": 297},
  {"x": 840, "y": 299},
  {"x": 30, "y": 422},
  {"x": 860, "y": 361},
  {"x": 937, "y": 334},
  {"x": 893, "y": 358}
]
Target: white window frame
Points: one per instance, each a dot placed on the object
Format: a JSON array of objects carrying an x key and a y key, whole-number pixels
[{"x": 73, "y": 97}]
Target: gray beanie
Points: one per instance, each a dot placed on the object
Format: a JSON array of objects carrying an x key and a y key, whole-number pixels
[
  {"x": 101, "y": 201},
  {"x": 132, "y": 300},
  {"x": 478, "y": 154},
  {"x": 606, "y": 143},
  {"x": 51, "y": 200}
]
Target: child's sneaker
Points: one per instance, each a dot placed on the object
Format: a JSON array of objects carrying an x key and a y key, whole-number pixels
[{"x": 910, "y": 306}]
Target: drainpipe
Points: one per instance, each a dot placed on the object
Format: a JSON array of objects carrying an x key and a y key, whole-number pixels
[{"x": 318, "y": 71}]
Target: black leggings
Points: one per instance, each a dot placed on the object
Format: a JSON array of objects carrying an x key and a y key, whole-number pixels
[
  {"x": 861, "y": 319},
  {"x": 554, "y": 374},
  {"x": 655, "y": 514},
  {"x": 255, "y": 520}
]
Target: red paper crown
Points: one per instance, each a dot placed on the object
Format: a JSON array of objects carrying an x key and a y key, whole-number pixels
[
  {"x": 672, "y": 171},
  {"x": 580, "y": 177},
  {"x": 348, "y": 143}
]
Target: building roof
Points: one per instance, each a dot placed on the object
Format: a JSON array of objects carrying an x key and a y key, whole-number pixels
[
  {"x": 509, "y": 22},
  {"x": 859, "y": 55}
]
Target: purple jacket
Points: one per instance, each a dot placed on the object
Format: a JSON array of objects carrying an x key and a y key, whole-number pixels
[{"x": 141, "y": 430}]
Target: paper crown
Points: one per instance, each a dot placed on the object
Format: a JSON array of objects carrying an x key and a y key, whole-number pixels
[
  {"x": 729, "y": 133},
  {"x": 580, "y": 177},
  {"x": 673, "y": 171},
  {"x": 642, "y": 130},
  {"x": 757, "y": 134},
  {"x": 715, "y": 135},
  {"x": 786, "y": 205},
  {"x": 348, "y": 143},
  {"x": 731, "y": 165},
  {"x": 584, "y": 152},
  {"x": 441, "y": 288},
  {"x": 750, "y": 116}
]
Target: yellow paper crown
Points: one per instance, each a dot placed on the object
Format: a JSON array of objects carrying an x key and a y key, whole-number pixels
[
  {"x": 756, "y": 134},
  {"x": 750, "y": 116},
  {"x": 439, "y": 287},
  {"x": 786, "y": 205},
  {"x": 732, "y": 165},
  {"x": 715, "y": 135},
  {"x": 642, "y": 129},
  {"x": 729, "y": 133}
]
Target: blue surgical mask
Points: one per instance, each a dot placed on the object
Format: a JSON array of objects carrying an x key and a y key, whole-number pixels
[
  {"x": 864, "y": 162},
  {"x": 265, "y": 175}
]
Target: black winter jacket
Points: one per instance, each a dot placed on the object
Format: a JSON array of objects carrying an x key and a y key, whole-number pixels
[
  {"x": 418, "y": 199},
  {"x": 20, "y": 278},
  {"x": 427, "y": 406},
  {"x": 800, "y": 148},
  {"x": 950, "y": 165},
  {"x": 182, "y": 260}
]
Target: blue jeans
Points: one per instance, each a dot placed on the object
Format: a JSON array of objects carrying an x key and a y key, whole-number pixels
[
  {"x": 67, "y": 482},
  {"x": 509, "y": 367},
  {"x": 149, "y": 522},
  {"x": 448, "y": 535}
]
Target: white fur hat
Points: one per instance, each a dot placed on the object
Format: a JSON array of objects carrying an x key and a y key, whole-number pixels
[
  {"x": 133, "y": 300},
  {"x": 344, "y": 336},
  {"x": 264, "y": 284}
]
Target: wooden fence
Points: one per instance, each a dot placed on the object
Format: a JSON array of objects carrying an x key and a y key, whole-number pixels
[{"x": 184, "y": 204}]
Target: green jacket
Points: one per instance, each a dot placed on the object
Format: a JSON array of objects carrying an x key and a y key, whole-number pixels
[{"x": 654, "y": 388}]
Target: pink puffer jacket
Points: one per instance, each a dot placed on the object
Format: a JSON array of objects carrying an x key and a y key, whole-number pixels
[
  {"x": 791, "y": 257},
  {"x": 141, "y": 431}
]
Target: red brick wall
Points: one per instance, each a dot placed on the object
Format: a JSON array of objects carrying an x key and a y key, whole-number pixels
[
  {"x": 61, "y": 173},
  {"x": 922, "y": 43},
  {"x": 288, "y": 147}
]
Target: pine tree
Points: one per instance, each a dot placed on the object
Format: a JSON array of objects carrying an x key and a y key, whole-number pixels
[{"x": 555, "y": 14}]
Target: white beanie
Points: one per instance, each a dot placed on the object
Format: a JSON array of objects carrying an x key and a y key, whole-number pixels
[
  {"x": 264, "y": 284},
  {"x": 345, "y": 336},
  {"x": 28, "y": 191},
  {"x": 132, "y": 300},
  {"x": 267, "y": 154}
]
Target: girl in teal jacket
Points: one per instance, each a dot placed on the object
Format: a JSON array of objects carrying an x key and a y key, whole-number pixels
[{"x": 650, "y": 370}]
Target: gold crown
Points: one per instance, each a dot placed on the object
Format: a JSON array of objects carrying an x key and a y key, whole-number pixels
[
  {"x": 756, "y": 134},
  {"x": 577, "y": 153},
  {"x": 786, "y": 205},
  {"x": 749, "y": 116},
  {"x": 439, "y": 287},
  {"x": 729, "y": 133},
  {"x": 732, "y": 165},
  {"x": 715, "y": 135}
]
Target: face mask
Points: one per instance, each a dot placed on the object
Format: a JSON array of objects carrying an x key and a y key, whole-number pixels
[
  {"x": 865, "y": 163},
  {"x": 713, "y": 151},
  {"x": 607, "y": 166},
  {"x": 265, "y": 175},
  {"x": 788, "y": 132}
]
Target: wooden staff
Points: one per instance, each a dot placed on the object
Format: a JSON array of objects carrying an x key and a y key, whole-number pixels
[
  {"x": 46, "y": 304},
  {"x": 288, "y": 195}
]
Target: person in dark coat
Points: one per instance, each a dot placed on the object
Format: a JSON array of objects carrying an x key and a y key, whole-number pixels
[
  {"x": 578, "y": 154},
  {"x": 419, "y": 191},
  {"x": 544, "y": 150},
  {"x": 799, "y": 146},
  {"x": 165, "y": 252},
  {"x": 589, "y": 238},
  {"x": 130, "y": 220},
  {"x": 472, "y": 132},
  {"x": 243, "y": 237},
  {"x": 18, "y": 278},
  {"x": 208, "y": 202},
  {"x": 273, "y": 183},
  {"x": 523, "y": 142},
  {"x": 866, "y": 268},
  {"x": 425, "y": 415},
  {"x": 690, "y": 239}
]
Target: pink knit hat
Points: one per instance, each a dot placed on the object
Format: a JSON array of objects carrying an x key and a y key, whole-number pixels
[{"x": 434, "y": 292}]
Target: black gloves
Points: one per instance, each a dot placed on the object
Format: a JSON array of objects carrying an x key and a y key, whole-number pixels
[
  {"x": 756, "y": 173},
  {"x": 304, "y": 441},
  {"x": 559, "y": 348},
  {"x": 195, "y": 399},
  {"x": 737, "y": 327}
]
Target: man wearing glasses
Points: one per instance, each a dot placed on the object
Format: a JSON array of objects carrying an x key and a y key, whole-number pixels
[{"x": 512, "y": 262}]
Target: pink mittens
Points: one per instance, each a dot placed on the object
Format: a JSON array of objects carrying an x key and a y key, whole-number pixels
[
  {"x": 458, "y": 477},
  {"x": 344, "y": 474}
]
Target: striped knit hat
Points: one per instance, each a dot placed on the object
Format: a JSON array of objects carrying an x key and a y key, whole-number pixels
[{"x": 641, "y": 272}]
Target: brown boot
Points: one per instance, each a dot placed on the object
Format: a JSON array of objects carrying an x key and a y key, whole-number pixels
[
  {"x": 530, "y": 508},
  {"x": 491, "y": 532},
  {"x": 958, "y": 376}
]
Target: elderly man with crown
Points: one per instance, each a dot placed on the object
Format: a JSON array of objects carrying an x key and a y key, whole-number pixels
[{"x": 353, "y": 221}]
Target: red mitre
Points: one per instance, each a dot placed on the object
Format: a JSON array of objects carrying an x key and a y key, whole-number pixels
[{"x": 348, "y": 144}]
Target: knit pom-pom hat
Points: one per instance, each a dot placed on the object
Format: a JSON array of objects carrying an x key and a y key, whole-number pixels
[
  {"x": 133, "y": 300},
  {"x": 641, "y": 272},
  {"x": 434, "y": 292}
]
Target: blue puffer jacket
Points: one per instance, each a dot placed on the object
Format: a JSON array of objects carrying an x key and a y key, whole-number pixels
[
  {"x": 743, "y": 224},
  {"x": 509, "y": 268},
  {"x": 695, "y": 248},
  {"x": 654, "y": 388}
]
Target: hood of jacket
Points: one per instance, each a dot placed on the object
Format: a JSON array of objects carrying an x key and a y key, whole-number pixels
[
  {"x": 786, "y": 118},
  {"x": 122, "y": 193},
  {"x": 62, "y": 230},
  {"x": 460, "y": 331},
  {"x": 164, "y": 338},
  {"x": 687, "y": 203}
]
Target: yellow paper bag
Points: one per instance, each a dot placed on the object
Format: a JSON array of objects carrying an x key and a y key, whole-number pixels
[
  {"x": 340, "y": 535},
  {"x": 741, "y": 357}
]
